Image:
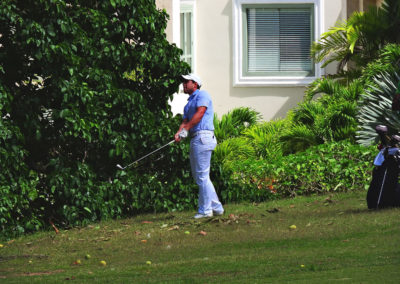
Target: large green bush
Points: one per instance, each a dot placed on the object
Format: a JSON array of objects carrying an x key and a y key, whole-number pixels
[
  {"x": 85, "y": 85},
  {"x": 337, "y": 166},
  {"x": 330, "y": 117}
]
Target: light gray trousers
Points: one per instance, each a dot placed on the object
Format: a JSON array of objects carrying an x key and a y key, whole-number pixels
[{"x": 201, "y": 147}]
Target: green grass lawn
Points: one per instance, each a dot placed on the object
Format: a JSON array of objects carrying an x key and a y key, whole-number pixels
[{"x": 336, "y": 240}]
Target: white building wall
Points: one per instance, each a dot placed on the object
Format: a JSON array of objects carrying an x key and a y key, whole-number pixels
[{"x": 214, "y": 62}]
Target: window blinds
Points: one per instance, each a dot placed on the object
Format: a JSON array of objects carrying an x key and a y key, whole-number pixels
[
  {"x": 279, "y": 40},
  {"x": 186, "y": 37}
]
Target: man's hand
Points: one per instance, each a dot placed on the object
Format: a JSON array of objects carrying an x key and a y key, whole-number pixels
[{"x": 181, "y": 135}]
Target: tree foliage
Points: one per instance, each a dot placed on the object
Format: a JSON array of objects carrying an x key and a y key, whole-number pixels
[
  {"x": 84, "y": 85},
  {"x": 376, "y": 108},
  {"x": 360, "y": 38}
]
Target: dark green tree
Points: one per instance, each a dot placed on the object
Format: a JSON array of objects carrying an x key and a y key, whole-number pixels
[{"x": 84, "y": 85}]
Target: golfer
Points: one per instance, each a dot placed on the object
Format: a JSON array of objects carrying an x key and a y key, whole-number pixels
[{"x": 198, "y": 124}]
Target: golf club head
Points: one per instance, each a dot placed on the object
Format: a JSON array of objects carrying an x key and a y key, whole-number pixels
[
  {"x": 120, "y": 167},
  {"x": 396, "y": 139},
  {"x": 382, "y": 132},
  {"x": 381, "y": 129}
]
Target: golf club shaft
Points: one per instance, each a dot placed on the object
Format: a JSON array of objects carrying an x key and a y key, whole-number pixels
[
  {"x": 149, "y": 154},
  {"x": 380, "y": 192}
]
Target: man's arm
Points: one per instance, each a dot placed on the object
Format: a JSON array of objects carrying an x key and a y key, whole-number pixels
[
  {"x": 194, "y": 121},
  {"x": 196, "y": 118}
]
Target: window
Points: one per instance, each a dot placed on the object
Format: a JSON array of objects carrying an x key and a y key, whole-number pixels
[
  {"x": 186, "y": 33},
  {"x": 277, "y": 41},
  {"x": 273, "y": 42}
]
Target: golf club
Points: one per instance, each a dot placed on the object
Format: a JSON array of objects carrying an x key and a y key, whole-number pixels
[
  {"x": 382, "y": 130},
  {"x": 123, "y": 168},
  {"x": 395, "y": 140}
]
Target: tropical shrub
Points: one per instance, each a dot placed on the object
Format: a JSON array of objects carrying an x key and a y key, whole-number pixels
[
  {"x": 258, "y": 141},
  {"x": 360, "y": 38},
  {"x": 265, "y": 138},
  {"x": 376, "y": 108},
  {"x": 234, "y": 122},
  {"x": 337, "y": 166},
  {"x": 387, "y": 62},
  {"x": 330, "y": 117}
]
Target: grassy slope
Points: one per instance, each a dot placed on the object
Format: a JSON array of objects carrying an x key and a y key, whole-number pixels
[{"x": 336, "y": 240}]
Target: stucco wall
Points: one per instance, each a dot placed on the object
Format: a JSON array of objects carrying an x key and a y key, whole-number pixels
[
  {"x": 214, "y": 47},
  {"x": 214, "y": 61},
  {"x": 167, "y": 5}
]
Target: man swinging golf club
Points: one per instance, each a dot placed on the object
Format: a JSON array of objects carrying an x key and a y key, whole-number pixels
[{"x": 198, "y": 124}]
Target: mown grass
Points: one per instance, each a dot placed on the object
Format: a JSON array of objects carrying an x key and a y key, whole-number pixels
[{"x": 336, "y": 240}]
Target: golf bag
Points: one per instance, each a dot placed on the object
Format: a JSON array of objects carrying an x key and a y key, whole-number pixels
[{"x": 384, "y": 190}]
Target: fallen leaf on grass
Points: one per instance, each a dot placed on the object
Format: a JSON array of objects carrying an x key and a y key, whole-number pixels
[
  {"x": 233, "y": 217},
  {"x": 144, "y": 241},
  {"x": 54, "y": 227},
  {"x": 176, "y": 227},
  {"x": 202, "y": 233},
  {"x": 147, "y": 222}
]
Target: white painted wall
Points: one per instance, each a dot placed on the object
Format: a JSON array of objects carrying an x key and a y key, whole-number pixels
[{"x": 214, "y": 54}]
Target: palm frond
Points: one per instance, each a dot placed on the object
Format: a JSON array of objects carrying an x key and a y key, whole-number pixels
[
  {"x": 321, "y": 86},
  {"x": 360, "y": 38},
  {"x": 265, "y": 138},
  {"x": 234, "y": 122},
  {"x": 298, "y": 138},
  {"x": 233, "y": 149},
  {"x": 306, "y": 113},
  {"x": 376, "y": 109}
]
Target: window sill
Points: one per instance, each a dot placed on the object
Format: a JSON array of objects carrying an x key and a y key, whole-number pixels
[{"x": 273, "y": 81}]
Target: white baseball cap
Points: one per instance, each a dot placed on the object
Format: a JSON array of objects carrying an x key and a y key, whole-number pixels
[{"x": 192, "y": 77}]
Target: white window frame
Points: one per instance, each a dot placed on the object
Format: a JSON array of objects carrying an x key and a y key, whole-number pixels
[
  {"x": 240, "y": 79},
  {"x": 188, "y": 5}
]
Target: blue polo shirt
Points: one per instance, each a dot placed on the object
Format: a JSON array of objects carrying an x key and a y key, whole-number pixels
[{"x": 200, "y": 98}]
